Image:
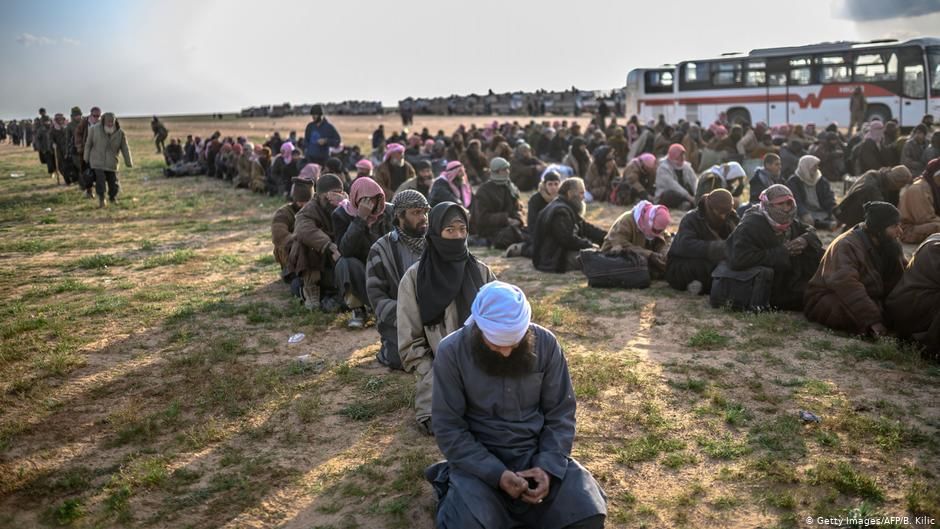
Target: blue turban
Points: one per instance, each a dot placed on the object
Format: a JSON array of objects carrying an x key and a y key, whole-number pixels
[{"x": 502, "y": 313}]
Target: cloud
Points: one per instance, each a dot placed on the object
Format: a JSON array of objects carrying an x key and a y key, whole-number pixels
[
  {"x": 28, "y": 39},
  {"x": 868, "y": 10}
]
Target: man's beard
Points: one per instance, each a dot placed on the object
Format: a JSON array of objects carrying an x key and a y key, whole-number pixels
[
  {"x": 413, "y": 231},
  {"x": 520, "y": 362},
  {"x": 890, "y": 250},
  {"x": 399, "y": 162},
  {"x": 579, "y": 206}
]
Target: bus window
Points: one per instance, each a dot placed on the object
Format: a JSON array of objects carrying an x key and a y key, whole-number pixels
[
  {"x": 727, "y": 74},
  {"x": 696, "y": 72},
  {"x": 777, "y": 79},
  {"x": 914, "y": 81},
  {"x": 756, "y": 74},
  {"x": 658, "y": 81},
  {"x": 873, "y": 68},
  {"x": 800, "y": 76},
  {"x": 933, "y": 58},
  {"x": 833, "y": 70}
]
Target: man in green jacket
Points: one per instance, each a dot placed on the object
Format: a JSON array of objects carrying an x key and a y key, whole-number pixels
[{"x": 105, "y": 140}]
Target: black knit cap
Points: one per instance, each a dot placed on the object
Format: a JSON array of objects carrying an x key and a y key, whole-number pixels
[
  {"x": 316, "y": 110},
  {"x": 880, "y": 215},
  {"x": 328, "y": 182}
]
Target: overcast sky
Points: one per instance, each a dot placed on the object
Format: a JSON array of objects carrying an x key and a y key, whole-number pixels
[{"x": 178, "y": 57}]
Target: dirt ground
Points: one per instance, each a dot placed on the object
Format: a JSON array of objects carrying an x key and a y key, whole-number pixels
[{"x": 146, "y": 379}]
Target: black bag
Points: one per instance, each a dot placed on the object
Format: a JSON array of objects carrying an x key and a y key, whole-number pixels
[
  {"x": 741, "y": 290},
  {"x": 625, "y": 270}
]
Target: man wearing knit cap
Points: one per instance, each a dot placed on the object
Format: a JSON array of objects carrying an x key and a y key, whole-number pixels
[
  {"x": 388, "y": 259},
  {"x": 504, "y": 417},
  {"x": 699, "y": 244},
  {"x": 394, "y": 169},
  {"x": 314, "y": 259},
  {"x": 282, "y": 228},
  {"x": 320, "y": 135},
  {"x": 642, "y": 231},
  {"x": 496, "y": 212},
  {"x": 857, "y": 272},
  {"x": 879, "y": 185}
]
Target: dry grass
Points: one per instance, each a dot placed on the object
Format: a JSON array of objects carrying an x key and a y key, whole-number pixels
[{"x": 146, "y": 380}]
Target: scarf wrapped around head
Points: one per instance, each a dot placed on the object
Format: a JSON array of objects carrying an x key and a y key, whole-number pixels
[
  {"x": 451, "y": 172},
  {"x": 651, "y": 219},
  {"x": 287, "y": 152},
  {"x": 771, "y": 201},
  {"x": 876, "y": 131},
  {"x": 403, "y": 201},
  {"x": 676, "y": 155},
  {"x": 310, "y": 172},
  {"x": 807, "y": 169},
  {"x": 393, "y": 148},
  {"x": 502, "y": 313},
  {"x": 364, "y": 165},
  {"x": 365, "y": 187}
]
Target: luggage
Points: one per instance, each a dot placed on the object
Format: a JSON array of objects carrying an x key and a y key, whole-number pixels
[
  {"x": 625, "y": 270},
  {"x": 741, "y": 290}
]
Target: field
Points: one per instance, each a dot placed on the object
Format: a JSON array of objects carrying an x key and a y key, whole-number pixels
[{"x": 146, "y": 380}]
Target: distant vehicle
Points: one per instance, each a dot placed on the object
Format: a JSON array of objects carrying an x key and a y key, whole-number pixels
[{"x": 802, "y": 84}]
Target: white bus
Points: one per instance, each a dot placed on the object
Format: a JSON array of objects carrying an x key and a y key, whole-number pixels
[{"x": 802, "y": 84}]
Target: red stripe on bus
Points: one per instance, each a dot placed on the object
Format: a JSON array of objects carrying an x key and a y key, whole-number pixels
[{"x": 811, "y": 100}]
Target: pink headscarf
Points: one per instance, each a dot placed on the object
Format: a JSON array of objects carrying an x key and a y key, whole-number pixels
[
  {"x": 310, "y": 172},
  {"x": 651, "y": 219},
  {"x": 364, "y": 165},
  {"x": 393, "y": 148},
  {"x": 647, "y": 160},
  {"x": 675, "y": 155},
  {"x": 452, "y": 171},
  {"x": 876, "y": 130},
  {"x": 365, "y": 187},
  {"x": 238, "y": 149},
  {"x": 287, "y": 152}
]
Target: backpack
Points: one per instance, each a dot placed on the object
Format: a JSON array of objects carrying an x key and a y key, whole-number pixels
[
  {"x": 741, "y": 290},
  {"x": 625, "y": 270}
]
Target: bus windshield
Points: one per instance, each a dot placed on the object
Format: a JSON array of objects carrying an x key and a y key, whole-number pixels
[{"x": 933, "y": 60}]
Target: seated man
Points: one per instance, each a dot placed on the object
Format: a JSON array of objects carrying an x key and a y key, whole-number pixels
[
  {"x": 434, "y": 299},
  {"x": 173, "y": 153},
  {"x": 561, "y": 231},
  {"x": 282, "y": 229},
  {"x": 422, "y": 180},
  {"x": 675, "y": 180},
  {"x": 813, "y": 195},
  {"x": 314, "y": 258},
  {"x": 878, "y": 185},
  {"x": 641, "y": 230},
  {"x": 389, "y": 257},
  {"x": 912, "y": 305},
  {"x": 394, "y": 170},
  {"x": 601, "y": 174},
  {"x": 770, "y": 235},
  {"x": 728, "y": 176},
  {"x": 920, "y": 205},
  {"x": 526, "y": 168},
  {"x": 451, "y": 186},
  {"x": 765, "y": 176},
  {"x": 699, "y": 245},
  {"x": 856, "y": 274},
  {"x": 639, "y": 180},
  {"x": 496, "y": 212},
  {"x": 363, "y": 168},
  {"x": 508, "y": 450},
  {"x": 357, "y": 224}
]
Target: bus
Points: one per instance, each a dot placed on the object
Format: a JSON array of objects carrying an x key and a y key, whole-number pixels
[{"x": 801, "y": 84}]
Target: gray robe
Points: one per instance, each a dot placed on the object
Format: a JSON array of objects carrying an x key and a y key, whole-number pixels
[{"x": 486, "y": 424}]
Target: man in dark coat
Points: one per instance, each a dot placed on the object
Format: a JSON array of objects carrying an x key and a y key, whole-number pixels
[
  {"x": 282, "y": 228},
  {"x": 871, "y": 153},
  {"x": 496, "y": 212},
  {"x": 814, "y": 198},
  {"x": 526, "y": 168},
  {"x": 770, "y": 173},
  {"x": 912, "y": 305},
  {"x": 357, "y": 224},
  {"x": 320, "y": 136},
  {"x": 880, "y": 185},
  {"x": 388, "y": 260},
  {"x": 314, "y": 258},
  {"x": 561, "y": 231},
  {"x": 857, "y": 272},
  {"x": 770, "y": 235},
  {"x": 699, "y": 245},
  {"x": 504, "y": 417}
]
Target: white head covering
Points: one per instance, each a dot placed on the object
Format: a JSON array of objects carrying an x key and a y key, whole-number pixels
[{"x": 502, "y": 313}]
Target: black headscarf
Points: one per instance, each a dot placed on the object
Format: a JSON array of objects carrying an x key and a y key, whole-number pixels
[{"x": 447, "y": 271}]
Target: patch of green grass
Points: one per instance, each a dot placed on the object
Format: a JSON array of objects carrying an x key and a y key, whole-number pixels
[
  {"x": 923, "y": 499},
  {"x": 265, "y": 260},
  {"x": 690, "y": 384},
  {"x": 723, "y": 447},
  {"x": 677, "y": 460},
  {"x": 176, "y": 257},
  {"x": 887, "y": 434},
  {"x": 783, "y": 500},
  {"x": 106, "y": 305},
  {"x": 708, "y": 338},
  {"x": 781, "y": 437},
  {"x": 592, "y": 373},
  {"x": 99, "y": 261},
  {"x": 885, "y": 350},
  {"x": 647, "y": 447},
  {"x": 68, "y": 512},
  {"x": 846, "y": 480},
  {"x": 22, "y": 326}
]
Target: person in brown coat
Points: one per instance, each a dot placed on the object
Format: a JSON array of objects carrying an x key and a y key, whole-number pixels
[
  {"x": 857, "y": 272},
  {"x": 920, "y": 205},
  {"x": 879, "y": 185},
  {"x": 639, "y": 177},
  {"x": 314, "y": 258},
  {"x": 912, "y": 305},
  {"x": 394, "y": 170},
  {"x": 641, "y": 230},
  {"x": 282, "y": 226},
  {"x": 602, "y": 173}
]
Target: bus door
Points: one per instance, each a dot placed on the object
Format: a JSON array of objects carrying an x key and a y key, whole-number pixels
[
  {"x": 777, "y": 91},
  {"x": 913, "y": 86}
]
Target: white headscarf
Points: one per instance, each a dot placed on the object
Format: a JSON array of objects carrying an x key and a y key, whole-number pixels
[{"x": 502, "y": 313}]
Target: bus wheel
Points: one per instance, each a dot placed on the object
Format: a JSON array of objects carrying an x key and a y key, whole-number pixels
[
  {"x": 737, "y": 116},
  {"x": 878, "y": 111}
]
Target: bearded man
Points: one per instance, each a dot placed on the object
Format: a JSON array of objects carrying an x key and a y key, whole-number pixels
[
  {"x": 560, "y": 231},
  {"x": 699, "y": 244},
  {"x": 394, "y": 169}
]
